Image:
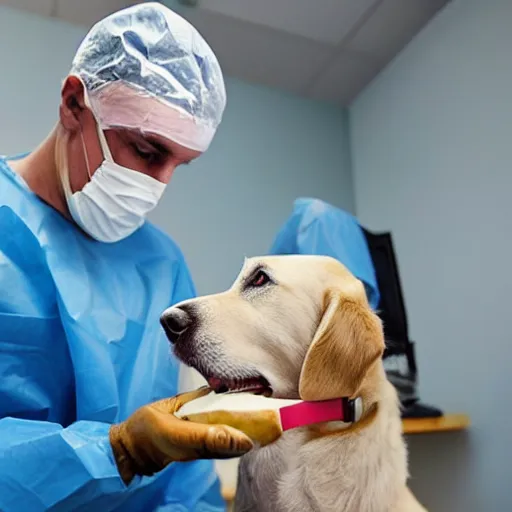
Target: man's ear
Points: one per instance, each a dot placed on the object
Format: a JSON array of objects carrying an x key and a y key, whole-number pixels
[
  {"x": 348, "y": 341},
  {"x": 72, "y": 103}
]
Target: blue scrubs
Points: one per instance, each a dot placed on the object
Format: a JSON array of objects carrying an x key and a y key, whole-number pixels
[
  {"x": 316, "y": 227},
  {"x": 81, "y": 347}
]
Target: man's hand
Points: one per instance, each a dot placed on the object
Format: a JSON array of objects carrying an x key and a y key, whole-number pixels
[{"x": 152, "y": 437}]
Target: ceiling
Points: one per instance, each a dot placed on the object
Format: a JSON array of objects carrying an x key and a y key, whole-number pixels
[{"x": 323, "y": 49}]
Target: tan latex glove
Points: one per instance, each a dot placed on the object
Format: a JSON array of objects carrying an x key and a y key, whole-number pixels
[{"x": 152, "y": 437}]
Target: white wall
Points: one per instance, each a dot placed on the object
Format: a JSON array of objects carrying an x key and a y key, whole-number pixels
[
  {"x": 432, "y": 161},
  {"x": 35, "y": 56}
]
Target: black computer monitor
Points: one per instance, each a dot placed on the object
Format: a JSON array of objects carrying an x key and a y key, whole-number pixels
[{"x": 391, "y": 307}]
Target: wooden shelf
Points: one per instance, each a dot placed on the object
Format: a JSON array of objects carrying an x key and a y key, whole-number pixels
[
  {"x": 446, "y": 423},
  {"x": 228, "y": 493}
]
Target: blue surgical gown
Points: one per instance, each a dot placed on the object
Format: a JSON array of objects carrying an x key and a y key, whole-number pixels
[
  {"x": 317, "y": 227},
  {"x": 81, "y": 347}
]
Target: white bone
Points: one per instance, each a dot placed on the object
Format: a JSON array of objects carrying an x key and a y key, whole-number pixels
[{"x": 233, "y": 402}]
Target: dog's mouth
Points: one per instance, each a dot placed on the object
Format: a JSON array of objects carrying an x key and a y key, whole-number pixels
[{"x": 255, "y": 385}]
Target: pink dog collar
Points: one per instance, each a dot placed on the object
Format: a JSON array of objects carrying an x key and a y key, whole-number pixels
[{"x": 308, "y": 413}]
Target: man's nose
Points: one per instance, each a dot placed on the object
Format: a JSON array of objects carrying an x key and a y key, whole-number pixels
[{"x": 175, "y": 322}]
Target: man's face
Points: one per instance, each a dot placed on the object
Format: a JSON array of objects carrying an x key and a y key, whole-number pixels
[{"x": 144, "y": 152}]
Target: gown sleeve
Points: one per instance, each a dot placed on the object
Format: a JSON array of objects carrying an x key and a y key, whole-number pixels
[
  {"x": 43, "y": 465},
  {"x": 48, "y": 461}
]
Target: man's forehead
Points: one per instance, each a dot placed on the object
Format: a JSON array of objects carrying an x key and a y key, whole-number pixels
[{"x": 166, "y": 144}]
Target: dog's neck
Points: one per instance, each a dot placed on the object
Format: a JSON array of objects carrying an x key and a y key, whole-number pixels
[
  {"x": 299, "y": 467},
  {"x": 369, "y": 394}
]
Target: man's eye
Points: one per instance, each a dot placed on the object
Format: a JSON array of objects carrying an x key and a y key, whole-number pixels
[
  {"x": 260, "y": 279},
  {"x": 146, "y": 154},
  {"x": 143, "y": 153}
]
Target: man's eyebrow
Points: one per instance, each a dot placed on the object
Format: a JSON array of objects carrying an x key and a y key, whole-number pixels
[
  {"x": 157, "y": 144},
  {"x": 162, "y": 147}
]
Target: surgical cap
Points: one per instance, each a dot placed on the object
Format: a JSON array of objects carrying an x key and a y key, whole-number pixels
[{"x": 145, "y": 67}]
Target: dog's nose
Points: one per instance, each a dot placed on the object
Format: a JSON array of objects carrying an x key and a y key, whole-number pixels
[{"x": 175, "y": 321}]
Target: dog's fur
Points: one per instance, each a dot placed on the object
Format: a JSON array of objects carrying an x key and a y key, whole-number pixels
[{"x": 311, "y": 333}]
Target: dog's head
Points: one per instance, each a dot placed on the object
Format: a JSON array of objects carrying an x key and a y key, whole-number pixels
[{"x": 290, "y": 326}]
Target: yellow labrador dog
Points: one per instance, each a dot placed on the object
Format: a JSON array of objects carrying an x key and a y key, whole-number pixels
[{"x": 301, "y": 327}]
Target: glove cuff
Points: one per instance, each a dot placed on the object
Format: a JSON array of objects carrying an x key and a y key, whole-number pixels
[{"x": 124, "y": 461}]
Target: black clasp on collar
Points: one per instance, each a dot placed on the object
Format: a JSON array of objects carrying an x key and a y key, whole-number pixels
[{"x": 352, "y": 409}]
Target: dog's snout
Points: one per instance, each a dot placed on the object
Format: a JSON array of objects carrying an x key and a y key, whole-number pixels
[{"x": 176, "y": 321}]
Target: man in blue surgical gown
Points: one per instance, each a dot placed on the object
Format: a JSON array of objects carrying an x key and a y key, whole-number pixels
[{"x": 85, "y": 370}]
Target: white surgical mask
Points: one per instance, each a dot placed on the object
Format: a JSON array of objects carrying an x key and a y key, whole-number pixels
[{"x": 116, "y": 200}]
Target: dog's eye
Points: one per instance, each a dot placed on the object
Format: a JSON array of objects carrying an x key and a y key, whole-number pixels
[{"x": 259, "y": 279}]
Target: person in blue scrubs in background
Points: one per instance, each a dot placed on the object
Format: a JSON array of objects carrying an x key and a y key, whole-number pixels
[
  {"x": 316, "y": 227},
  {"x": 86, "y": 371}
]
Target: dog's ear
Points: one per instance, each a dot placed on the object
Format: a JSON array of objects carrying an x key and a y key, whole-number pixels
[{"x": 348, "y": 341}]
